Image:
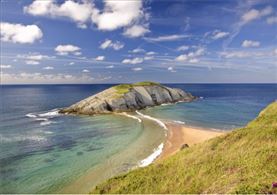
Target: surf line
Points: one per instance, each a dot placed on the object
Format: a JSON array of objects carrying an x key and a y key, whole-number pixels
[
  {"x": 153, "y": 119},
  {"x": 130, "y": 116}
]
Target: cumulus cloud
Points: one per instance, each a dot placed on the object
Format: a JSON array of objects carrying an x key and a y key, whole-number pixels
[
  {"x": 217, "y": 34},
  {"x": 4, "y": 66},
  {"x": 171, "y": 69},
  {"x": 32, "y": 62},
  {"x": 254, "y": 14},
  {"x": 137, "y": 69},
  {"x": 48, "y": 68},
  {"x": 133, "y": 61},
  {"x": 67, "y": 49},
  {"x": 148, "y": 58},
  {"x": 100, "y": 58},
  {"x": 85, "y": 71},
  {"x": 114, "y": 15},
  {"x": 79, "y": 12},
  {"x": 191, "y": 57},
  {"x": 174, "y": 37},
  {"x": 135, "y": 31},
  {"x": 137, "y": 50},
  {"x": 183, "y": 48},
  {"x": 151, "y": 53},
  {"x": 272, "y": 20},
  {"x": 110, "y": 67},
  {"x": 110, "y": 44},
  {"x": 37, "y": 78},
  {"x": 249, "y": 43},
  {"x": 19, "y": 33}
]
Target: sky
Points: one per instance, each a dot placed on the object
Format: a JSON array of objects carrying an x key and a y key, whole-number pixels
[{"x": 116, "y": 41}]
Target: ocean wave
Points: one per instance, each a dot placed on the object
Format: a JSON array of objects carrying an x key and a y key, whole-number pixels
[
  {"x": 30, "y": 115},
  {"x": 147, "y": 161},
  {"x": 46, "y": 123},
  {"x": 131, "y": 116},
  {"x": 153, "y": 119},
  {"x": 179, "y": 122},
  {"x": 166, "y": 104},
  {"x": 51, "y": 113},
  {"x": 14, "y": 138}
]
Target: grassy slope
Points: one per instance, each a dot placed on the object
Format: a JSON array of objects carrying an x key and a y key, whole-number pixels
[
  {"x": 243, "y": 161},
  {"x": 124, "y": 88}
]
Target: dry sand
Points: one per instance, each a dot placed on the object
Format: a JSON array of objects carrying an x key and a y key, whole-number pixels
[{"x": 178, "y": 135}]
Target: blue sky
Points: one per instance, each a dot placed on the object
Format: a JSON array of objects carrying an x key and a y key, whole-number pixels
[{"x": 188, "y": 41}]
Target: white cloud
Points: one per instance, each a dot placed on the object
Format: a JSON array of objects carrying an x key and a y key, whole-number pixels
[
  {"x": 67, "y": 49},
  {"x": 48, "y": 68},
  {"x": 248, "y": 54},
  {"x": 38, "y": 78},
  {"x": 3, "y": 66},
  {"x": 183, "y": 48},
  {"x": 19, "y": 33},
  {"x": 115, "y": 14},
  {"x": 85, "y": 71},
  {"x": 272, "y": 20},
  {"x": 137, "y": 69},
  {"x": 217, "y": 34},
  {"x": 100, "y": 58},
  {"x": 133, "y": 61},
  {"x": 254, "y": 14},
  {"x": 166, "y": 38},
  {"x": 171, "y": 69},
  {"x": 191, "y": 57},
  {"x": 109, "y": 44},
  {"x": 71, "y": 63},
  {"x": 151, "y": 53},
  {"x": 110, "y": 67},
  {"x": 137, "y": 50},
  {"x": 32, "y": 62},
  {"x": 78, "y": 12},
  {"x": 135, "y": 31},
  {"x": 249, "y": 43},
  {"x": 148, "y": 58}
]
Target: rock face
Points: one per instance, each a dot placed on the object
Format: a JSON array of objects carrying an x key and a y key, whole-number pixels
[{"x": 124, "y": 98}]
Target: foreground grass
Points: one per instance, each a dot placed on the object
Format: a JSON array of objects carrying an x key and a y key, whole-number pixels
[{"x": 243, "y": 161}]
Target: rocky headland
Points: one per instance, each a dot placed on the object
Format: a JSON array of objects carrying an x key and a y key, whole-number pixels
[{"x": 128, "y": 97}]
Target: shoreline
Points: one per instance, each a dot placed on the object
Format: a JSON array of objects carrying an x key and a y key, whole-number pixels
[{"x": 180, "y": 134}]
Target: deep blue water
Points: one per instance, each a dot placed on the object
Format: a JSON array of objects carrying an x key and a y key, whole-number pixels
[{"x": 41, "y": 151}]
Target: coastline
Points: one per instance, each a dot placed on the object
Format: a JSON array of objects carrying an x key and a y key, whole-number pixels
[{"x": 180, "y": 134}]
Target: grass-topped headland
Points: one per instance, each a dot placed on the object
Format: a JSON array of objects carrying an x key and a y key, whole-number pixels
[
  {"x": 243, "y": 161},
  {"x": 124, "y": 88}
]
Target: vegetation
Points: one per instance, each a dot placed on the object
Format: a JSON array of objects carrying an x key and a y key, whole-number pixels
[
  {"x": 243, "y": 161},
  {"x": 124, "y": 88}
]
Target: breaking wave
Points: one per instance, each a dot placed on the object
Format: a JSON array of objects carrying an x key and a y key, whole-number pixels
[
  {"x": 45, "y": 117},
  {"x": 131, "y": 116},
  {"x": 147, "y": 161},
  {"x": 153, "y": 119}
]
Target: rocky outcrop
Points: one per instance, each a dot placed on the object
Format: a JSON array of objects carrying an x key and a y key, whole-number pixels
[{"x": 124, "y": 98}]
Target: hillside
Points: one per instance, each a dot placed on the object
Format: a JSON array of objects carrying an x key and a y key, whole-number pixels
[
  {"x": 243, "y": 161},
  {"x": 128, "y": 97}
]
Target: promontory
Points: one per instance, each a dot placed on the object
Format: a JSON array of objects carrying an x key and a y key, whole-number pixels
[{"x": 128, "y": 97}]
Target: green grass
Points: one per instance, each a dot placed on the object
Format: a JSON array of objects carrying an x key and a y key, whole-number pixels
[
  {"x": 124, "y": 88},
  {"x": 243, "y": 161}
]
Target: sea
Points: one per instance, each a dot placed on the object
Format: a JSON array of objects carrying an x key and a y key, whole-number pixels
[{"x": 42, "y": 151}]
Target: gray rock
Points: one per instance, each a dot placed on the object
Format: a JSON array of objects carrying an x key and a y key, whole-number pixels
[{"x": 135, "y": 97}]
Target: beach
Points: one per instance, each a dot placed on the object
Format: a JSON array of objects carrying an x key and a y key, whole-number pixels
[{"x": 179, "y": 135}]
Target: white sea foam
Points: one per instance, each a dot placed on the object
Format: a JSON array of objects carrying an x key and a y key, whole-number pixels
[
  {"x": 166, "y": 104},
  {"x": 30, "y": 115},
  {"x": 15, "y": 138},
  {"x": 153, "y": 119},
  {"x": 46, "y": 123},
  {"x": 131, "y": 116},
  {"x": 41, "y": 119},
  {"x": 179, "y": 122},
  {"x": 51, "y": 113},
  {"x": 157, "y": 152},
  {"x": 201, "y": 97}
]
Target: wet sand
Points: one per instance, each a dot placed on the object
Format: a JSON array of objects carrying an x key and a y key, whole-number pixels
[{"x": 178, "y": 135}]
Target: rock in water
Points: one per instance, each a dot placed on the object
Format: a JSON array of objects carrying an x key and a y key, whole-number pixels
[{"x": 128, "y": 97}]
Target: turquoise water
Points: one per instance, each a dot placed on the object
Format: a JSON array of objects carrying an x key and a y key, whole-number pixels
[{"x": 43, "y": 152}]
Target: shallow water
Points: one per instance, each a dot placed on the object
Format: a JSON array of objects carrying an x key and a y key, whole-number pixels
[{"x": 43, "y": 152}]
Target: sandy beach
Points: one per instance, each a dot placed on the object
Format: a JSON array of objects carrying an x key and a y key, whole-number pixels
[{"x": 178, "y": 135}]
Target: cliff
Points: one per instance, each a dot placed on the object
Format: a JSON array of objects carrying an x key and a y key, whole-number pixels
[
  {"x": 128, "y": 97},
  {"x": 243, "y": 162}
]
